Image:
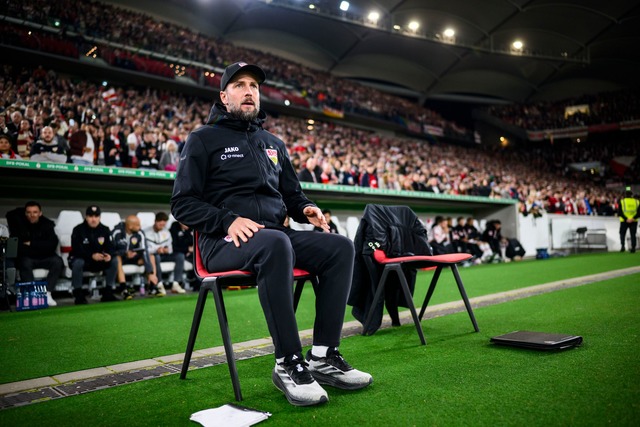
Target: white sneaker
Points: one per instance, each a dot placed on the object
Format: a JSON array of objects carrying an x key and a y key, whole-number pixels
[
  {"x": 333, "y": 370},
  {"x": 50, "y": 301},
  {"x": 293, "y": 379},
  {"x": 176, "y": 288},
  {"x": 161, "y": 289}
]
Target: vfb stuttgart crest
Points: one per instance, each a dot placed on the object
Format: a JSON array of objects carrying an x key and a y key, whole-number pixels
[{"x": 273, "y": 155}]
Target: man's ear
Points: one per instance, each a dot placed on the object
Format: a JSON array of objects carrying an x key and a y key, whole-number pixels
[{"x": 223, "y": 97}]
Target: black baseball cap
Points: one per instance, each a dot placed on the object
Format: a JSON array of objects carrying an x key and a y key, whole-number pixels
[
  {"x": 93, "y": 210},
  {"x": 232, "y": 69}
]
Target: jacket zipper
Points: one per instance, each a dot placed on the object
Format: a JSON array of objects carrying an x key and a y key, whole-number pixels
[{"x": 256, "y": 157}]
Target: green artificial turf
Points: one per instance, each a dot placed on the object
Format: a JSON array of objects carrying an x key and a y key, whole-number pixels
[
  {"x": 458, "y": 379},
  {"x": 72, "y": 338}
]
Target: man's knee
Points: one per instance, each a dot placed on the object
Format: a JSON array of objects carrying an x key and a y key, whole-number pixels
[
  {"x": 342, "y": 246},
  {"x": 273, "y": 242},
  {"x": 77, "y": 265}
]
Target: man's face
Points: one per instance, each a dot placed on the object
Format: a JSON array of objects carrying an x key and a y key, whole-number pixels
[
  {"x": 47, "y": 134},
  {"x": 93, "y": 220},
  {"x": 159, "y": 225},
  {"x": 33, "y": 214},
  {"x": 242, "y": 97},
  {"x": 133, "y": 225}
]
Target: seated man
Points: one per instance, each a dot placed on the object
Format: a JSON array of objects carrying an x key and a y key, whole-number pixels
[
  {"x": 182, "y": 240},
  {"x": 333, "y": 228},
  {"x": 439, "y": 238},
  {"x": 37, "y": 245},
  {"x": 92, "y": 250},
  {"x": 48, "y": 148},
  {"x": 131, "y": 248},
  {"x": 235, "y": 185},
  {"x": 160, "y": 246}
]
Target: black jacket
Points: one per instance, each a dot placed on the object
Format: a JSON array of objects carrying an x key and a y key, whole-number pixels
[
  {"x": 398, "y": 232},
  {"x": 230, "y": 168},
  {"x": 86, "y": 241},
  {"x": 136, "y": 242},
  {"x": 181, "y": 239},
  {"x": 42, "y": 235}
]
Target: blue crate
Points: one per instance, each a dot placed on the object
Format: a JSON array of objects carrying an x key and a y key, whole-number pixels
[{"x": 31, "y": 296}]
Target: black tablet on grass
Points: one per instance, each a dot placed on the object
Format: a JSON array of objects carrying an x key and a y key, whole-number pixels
[{"x": 538, "y": 340}]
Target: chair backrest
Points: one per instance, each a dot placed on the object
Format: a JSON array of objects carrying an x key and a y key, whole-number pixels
[
  {"x": 147, "y": 219},
  {"x": 199, "y": 267},
  {"x": 67, "y": 220},
  {"x": 110, "y": 219},
  {"x": 352, "y": 226}
]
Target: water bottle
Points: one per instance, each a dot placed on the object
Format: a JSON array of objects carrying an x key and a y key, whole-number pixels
[
  {"x": 42, "y": 294},
  {"x": 18, "y": 298},
  {"x": 26, "y": 303}
]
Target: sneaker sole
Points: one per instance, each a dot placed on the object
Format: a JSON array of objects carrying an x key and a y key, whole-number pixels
[
  {"x": 329, "y": 380},
  {"x": 280, "y": 386}
]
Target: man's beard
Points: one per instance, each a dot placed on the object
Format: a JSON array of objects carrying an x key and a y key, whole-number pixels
[{"x": 245, "y": 116}]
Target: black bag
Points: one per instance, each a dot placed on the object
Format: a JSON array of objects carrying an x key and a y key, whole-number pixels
[{"x": 514, "y": 249}]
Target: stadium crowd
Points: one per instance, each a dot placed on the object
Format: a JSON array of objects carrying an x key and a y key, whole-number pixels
[
  {"x": 81, "y": 26},
  {"x": 50, "y": 117},
  {"x": 596, "y": 109},
  {"x": 85, "y": 20}
]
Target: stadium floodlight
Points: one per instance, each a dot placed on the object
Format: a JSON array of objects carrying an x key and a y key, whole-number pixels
[
  {"x": 516, "y": 47},
  {"x": 373, "y": 17},
  {"x": 449, "y": 35},
  {"x": 344, "y": 6},
  {"x": 414, "y": 25},
  {"x": 312, "y": 6}
]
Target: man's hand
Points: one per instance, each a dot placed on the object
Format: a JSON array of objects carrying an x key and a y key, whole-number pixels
[
  {"x": 243, "y": 229},
  {"x": 153, "y": 279},
  {"x": 316, "y": 217}
]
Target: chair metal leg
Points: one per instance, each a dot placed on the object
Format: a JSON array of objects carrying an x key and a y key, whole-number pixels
[
  {"x": 408, "y": 297},
  {"x": 463, "y": 293},
  {"x": 195, "y": 325},
  {"x": 432, "y": 287},
  {"x": 297, "y": 293},
  {"x": 226, "y": 340},
  {"x": 376, "y": 298}
]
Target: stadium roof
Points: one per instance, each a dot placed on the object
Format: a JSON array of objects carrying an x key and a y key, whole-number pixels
[{"x": 570, "y": 47}]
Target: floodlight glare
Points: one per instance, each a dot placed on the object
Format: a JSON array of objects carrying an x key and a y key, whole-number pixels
[
  {"x": 518, "y": 45},
  {"x": 344, "y": 6},
  {"x": 373, "y": 17},
  {"x": 414, "y": 25},
  {"x": 449, "y": 32}
]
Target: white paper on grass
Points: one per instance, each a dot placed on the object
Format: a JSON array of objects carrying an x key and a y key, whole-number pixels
[{"x": 229, "y": 415}]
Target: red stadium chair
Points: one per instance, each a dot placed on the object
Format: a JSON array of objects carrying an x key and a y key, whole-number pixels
[
  {"x": 395, "y": 230},
  {"x": 419, "y": 262},
  {"x": 214, "y": 282}
]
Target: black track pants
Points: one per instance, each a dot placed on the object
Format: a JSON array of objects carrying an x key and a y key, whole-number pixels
[{"x": 272, "y": 254}]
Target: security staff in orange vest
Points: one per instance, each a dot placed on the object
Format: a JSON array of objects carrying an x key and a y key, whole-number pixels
[{"x": 629, "y": 212}]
